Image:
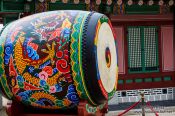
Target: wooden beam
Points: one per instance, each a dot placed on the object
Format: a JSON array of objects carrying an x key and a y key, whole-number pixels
[
  {"x": 146, "y": 85},
  {"x": 135, "y": 18},
  {"x": 7, "y": 13},
  {"x": 133, "y": 86},
  {"x": 145, "y": 75}
]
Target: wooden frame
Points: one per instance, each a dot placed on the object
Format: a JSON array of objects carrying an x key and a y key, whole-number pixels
[
  {"x": 13, "y": 110},
  {"x": 122, "y": 71},
  {"x": 162, "y": 39}
]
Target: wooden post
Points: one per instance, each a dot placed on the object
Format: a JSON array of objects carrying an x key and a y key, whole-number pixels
[{"x": 143, "y": 106}]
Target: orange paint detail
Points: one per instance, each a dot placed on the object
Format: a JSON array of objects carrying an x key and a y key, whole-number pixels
[
  {"x": 12, "y": 70},
  {"x": 48, "y": 70},
  {"x": 55, "y": 34},
  {"x": 15, "y": 89},
  {"x": 66, "y": 102},
  {"x": 33, "y": 45},
  {"x": 28, "y": 86}
]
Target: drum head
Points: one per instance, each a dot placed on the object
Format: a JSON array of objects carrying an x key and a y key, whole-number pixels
[
  {"x": 106, "y": 57},
  {"x": 99, "y": 59}
]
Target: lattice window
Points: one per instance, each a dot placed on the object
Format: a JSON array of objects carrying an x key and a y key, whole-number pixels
[
  {"x": 150, "y": 48},
  {"x": 134, "y": 41},
  {"x": 142, "y": 48}
]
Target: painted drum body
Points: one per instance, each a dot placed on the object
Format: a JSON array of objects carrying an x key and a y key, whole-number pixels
[{"x": 55, "y": 59}]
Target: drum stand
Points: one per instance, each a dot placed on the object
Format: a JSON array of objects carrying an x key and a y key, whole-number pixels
[{"x": 17, "y": 109}]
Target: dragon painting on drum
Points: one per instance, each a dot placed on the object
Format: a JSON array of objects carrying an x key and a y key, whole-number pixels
[{"x": 53, "y": 59}]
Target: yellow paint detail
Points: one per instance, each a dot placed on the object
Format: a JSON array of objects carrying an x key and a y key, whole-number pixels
[{"x": 66, "y": 23}]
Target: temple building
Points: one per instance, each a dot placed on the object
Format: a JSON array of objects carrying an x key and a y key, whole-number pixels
[{"x": 145, "y": 39}]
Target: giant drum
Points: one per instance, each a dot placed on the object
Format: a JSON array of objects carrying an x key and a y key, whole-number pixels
[{"x": 54, "y": 59}]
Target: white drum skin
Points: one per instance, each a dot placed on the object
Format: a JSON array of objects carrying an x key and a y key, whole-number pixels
[{"x": 106, "y": 40}]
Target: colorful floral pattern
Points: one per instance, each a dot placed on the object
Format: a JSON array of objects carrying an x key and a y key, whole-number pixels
[
  {"x": 40, "y": 60},
  {"x": 36, "y": 60}
]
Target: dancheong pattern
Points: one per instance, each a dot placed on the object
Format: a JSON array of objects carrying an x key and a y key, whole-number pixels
[
  {"x": 44, "y": 60},
  {"x": 76, "y": 35},
  {"x": 36, "y": 59}
]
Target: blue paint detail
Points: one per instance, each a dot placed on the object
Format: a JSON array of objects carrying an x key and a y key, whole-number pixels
[
  {"x": 44, "y": 64},
  {"x": 32, "y": 53},
  {"x": 31, "y": 69},
  {"x": 95, "y": 52},
  {"x": 55, "y": 70},
  {"x": 65, "y": 33},
  {"x": 42, "y": 82},
  {"x": 40, "y": 103},
  {"x": 36, "y": 75},
  {"x": 25, "y": 95},
  {"x": 42, "y": 100},
  {"x": 8, "y": 51},
  {"x": 25, "y": 45},
  {"x": 72, "y": 94},
  {"x": 20, "y": 78},
  {"x": 58, "y": 88}
]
